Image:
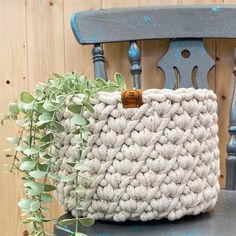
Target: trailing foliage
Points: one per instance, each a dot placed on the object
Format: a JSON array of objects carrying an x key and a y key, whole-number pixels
[{"x": 36, "y": 116}]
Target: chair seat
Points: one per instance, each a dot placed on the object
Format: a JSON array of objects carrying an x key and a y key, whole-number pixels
[{"x": 221, "y": 221}]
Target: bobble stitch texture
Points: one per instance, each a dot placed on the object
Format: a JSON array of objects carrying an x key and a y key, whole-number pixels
[{"x": 157, "y": 161}]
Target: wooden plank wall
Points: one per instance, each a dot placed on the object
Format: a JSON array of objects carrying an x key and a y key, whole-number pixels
[{"x": 36, "y": 39}]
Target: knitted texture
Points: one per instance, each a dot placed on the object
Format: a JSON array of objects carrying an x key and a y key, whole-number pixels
[{"x": 157, "y": 161}]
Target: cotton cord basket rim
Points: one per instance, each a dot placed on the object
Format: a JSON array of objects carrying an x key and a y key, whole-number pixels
[{"x": 160, "y": 160}]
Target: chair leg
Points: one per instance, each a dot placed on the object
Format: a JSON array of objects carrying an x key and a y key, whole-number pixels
[
  {"x": 231, "y": 172},
  {"x": 231, "y": 147}
]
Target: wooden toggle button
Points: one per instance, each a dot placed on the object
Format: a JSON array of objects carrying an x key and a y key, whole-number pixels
[{"x": 132, "y": 98}]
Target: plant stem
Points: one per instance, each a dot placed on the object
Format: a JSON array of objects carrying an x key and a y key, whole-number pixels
[{"x": 15, "y": 156}]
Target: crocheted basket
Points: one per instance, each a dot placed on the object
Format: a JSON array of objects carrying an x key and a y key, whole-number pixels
[{"x": 157, "y": 161}]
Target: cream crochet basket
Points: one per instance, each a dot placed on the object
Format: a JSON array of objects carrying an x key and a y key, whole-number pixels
[{"x": 157, "y": 161}]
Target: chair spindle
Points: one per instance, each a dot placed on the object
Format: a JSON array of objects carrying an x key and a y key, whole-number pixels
[
  {"x": 99, "y": 62},
  {"x": 135, "y": 60},
  {"x": 231, "y": 147}
]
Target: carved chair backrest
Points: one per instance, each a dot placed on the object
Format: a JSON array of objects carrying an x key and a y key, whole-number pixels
[{"x": 185, "y": 27}]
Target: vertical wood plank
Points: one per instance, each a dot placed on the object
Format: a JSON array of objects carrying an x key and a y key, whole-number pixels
[
  {"x": 116, "y": 54},
  {"x": 46, "y": 51},
  {"x": 77, "y": 57},
  {"x": 45, "y": 35},
  {"x": 13, "y": 78},
  {"x": 224, "y": 89}
]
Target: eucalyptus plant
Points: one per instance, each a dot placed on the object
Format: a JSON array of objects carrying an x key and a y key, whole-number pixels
[{"x": 36, "y": 115}]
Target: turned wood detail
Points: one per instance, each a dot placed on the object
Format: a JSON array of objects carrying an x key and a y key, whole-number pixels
[
  {"x": 135, "y": 60},
  {"x": 231, "y": 147},
  {"x": 99, "y": 62}
]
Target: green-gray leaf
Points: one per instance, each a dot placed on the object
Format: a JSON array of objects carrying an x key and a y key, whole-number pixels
[
  {"x": 42, "y": 123},
  {"x": 89, "y": 107},
  {"x": 120, "y": 80},
  {"x": 86, "y": 221},
  {"x": 75, "y": 108},
  {"x": 66, "y": 222},
  {"x": 37, "y": 187},
  {"x": 26, "y": 97},
  {"x": 68, "y": 178},
  {"x": 59, "y": 127},
  {"x": 30, "y": 151},
  {"x": 80, "y": 189},
  {"x": 46, "y": 116},
  {"x": 37, "y": 174},
  {"x": 54, "y": 176},
  {"x": 77, "y": 131},
  {"x": 24, "y": 203},
  {"x": 80, "y": 166},
  {"x": 47, "y": 138},
  {"x": 111, "y": 88},
  {"x": 13, "y": 108},
  {"x": 79, "y": 120},
  {"x": 58, "y": 76},
  {"x": 21, "y": 148},
  {"x": 72, "y": 164},
  {"x": 13, "y": 140},
  {"x": 48, "y": 106},
  {"x": 35, "y": 205},
  {"x": 45, "y": 197},
  {"x": 49, "y": 188},
  {"x": 27, "y": 165},
  {"x": 101, "y": 82},
  {"x": 30, "y": 219}
]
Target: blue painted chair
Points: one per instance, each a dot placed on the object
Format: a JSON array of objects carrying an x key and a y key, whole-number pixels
[{"x": 185, "y": 27}]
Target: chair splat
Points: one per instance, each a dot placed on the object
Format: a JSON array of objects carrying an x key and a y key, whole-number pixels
[{"x": 185, "y": 55}]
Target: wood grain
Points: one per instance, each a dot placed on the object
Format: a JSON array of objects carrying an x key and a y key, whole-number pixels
[
  {"x": 116, "y": 54},
  {"x": 45, "y": 39},
  {"x": 77, "y": 57},
  {"x": 13, "y": 78},
  {"x": 36, "y": 39},
  {"x": 45, "y": 45}
]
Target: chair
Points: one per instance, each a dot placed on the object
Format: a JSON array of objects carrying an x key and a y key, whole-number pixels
[{"x": 185, "y": 27}]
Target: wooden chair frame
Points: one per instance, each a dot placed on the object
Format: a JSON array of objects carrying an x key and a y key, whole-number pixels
[{"x": 185, "y": 27}]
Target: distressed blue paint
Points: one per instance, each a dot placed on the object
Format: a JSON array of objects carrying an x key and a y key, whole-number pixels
[
  {"x": 193, "y": 232},
  {"x": 134, "y": 228},
  {"x": 133, "y": 53},
  {"x": 173, "y": 231},
  {"x": 177, "y": 52},
  {"x": 98, "y": 29},
  {"x": 157, "y": 24},
  {"x": 232, "y": 129},
  {"x": 147, "y": 19},
  {"x": 202, "y": 51},
  {"x": 93, "y": 38},
  {"x": 222, "y": 217},
  {"x": 216, "y": 9},
  {"x": 74, "y": 26},
  {"x": 188, "y": 234}
]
